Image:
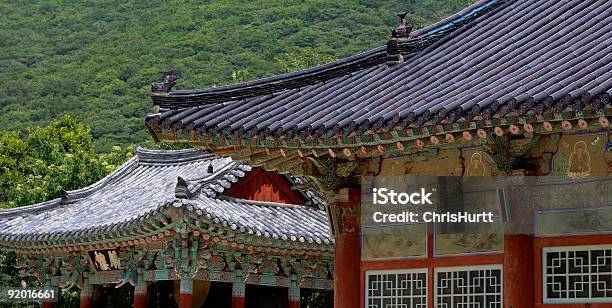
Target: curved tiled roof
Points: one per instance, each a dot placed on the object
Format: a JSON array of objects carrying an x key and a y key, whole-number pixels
[
  {"x": 142, "y": 188},
  {"x": 491, "y": 59},
  {"x": 277, "y": 221}
]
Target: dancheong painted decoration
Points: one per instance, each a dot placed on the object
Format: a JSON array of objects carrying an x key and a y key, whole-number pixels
[{"x": 502, "y": 88}]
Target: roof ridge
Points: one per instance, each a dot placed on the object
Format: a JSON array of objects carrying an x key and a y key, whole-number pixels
[
  {"x": 71, "y": 196},
  {"x": 214, "y": 182},
  {"x": 33, "y": 208},
  {"x": 145, "y": 155},
  {"x": 213, "y": 185},
  {"x": 442, "y": 24},
  {"x": 279, "y": 83},
  {"x": 400, "y": 48},
  {"x": 273, "y": 84}
]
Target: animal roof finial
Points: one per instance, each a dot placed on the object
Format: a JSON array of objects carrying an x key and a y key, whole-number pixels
[
  {"x": 165, "y": 86},
  {"x": 405, "y": 26},
  {"x": 182, "y": 189}
]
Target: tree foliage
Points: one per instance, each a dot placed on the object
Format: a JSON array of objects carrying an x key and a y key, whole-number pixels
[
  {"x": 96, "y": 59},
  {"x": 41, "y": 163},
  {"x": 305, "y": 58}
]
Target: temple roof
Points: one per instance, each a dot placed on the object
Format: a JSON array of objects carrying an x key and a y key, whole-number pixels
[
  {"x": 494, "y": 58},
  {"x": 137, "y": 196}
]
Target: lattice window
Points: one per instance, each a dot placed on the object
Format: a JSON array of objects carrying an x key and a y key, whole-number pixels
[
  {"x": 577, "y": 274},
  {"x": 469, "y": 287},
  {"x": 396, "y": 289}
]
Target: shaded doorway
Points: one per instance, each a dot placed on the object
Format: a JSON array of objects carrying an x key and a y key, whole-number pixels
[{"x": 264, "y": 297}]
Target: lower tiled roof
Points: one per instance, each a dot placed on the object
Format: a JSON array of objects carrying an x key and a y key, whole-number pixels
[{"x": 139, "y": 191}]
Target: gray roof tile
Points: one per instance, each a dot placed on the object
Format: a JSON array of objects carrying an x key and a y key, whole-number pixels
[{"x": 145, "y": 185}]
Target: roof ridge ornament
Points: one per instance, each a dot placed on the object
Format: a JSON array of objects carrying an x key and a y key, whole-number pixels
[
  {"x": 64, "y": 197},
  {"x": 181, "y": 190},
  {"x": 399, "y": 35},
  {"x": 404, "y": 28},
  {"x": 166, "y": 85}
]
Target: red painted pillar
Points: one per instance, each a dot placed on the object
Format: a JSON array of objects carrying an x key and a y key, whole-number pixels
[
  {"x": 47, "y": 305},
  {"x": 186, "y": 293},
  {"x": 430, "y": 270},
  {"x": 518, "y": 271},
  {"x": 346, "y": 271},
  {"x": 347, "y": 259},
  {"x": 294, "y": 296},
  {"x": 140, "y": 294},
  {"x": 86, "y": 296},
  {"x": 237, "y": 302},
  {"x": 238, "y": 292}
]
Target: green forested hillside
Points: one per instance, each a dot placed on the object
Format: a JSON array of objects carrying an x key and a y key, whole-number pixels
[{"x": 96, "y": 59}]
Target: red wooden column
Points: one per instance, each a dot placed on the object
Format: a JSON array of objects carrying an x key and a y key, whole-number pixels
[
  {"x": 47, "y": 305},
  {"x": 140, "y": 294},
  {"x": 347, "y": 260},
  {"x": 238, "y": 292},
  {"x": 86, "y": 297},
  {"x": 518, "y": 271},
  {"x": 294, "y": 295},
  {"x": 186, "y": 293}
]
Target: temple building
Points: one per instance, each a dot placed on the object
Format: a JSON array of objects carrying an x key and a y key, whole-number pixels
[
  {"x": 501, "y": 88},
  {"x": 202, "y": 228}
]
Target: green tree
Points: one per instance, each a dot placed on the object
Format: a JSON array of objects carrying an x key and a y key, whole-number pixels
[{"x": 38, "y": 165}]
